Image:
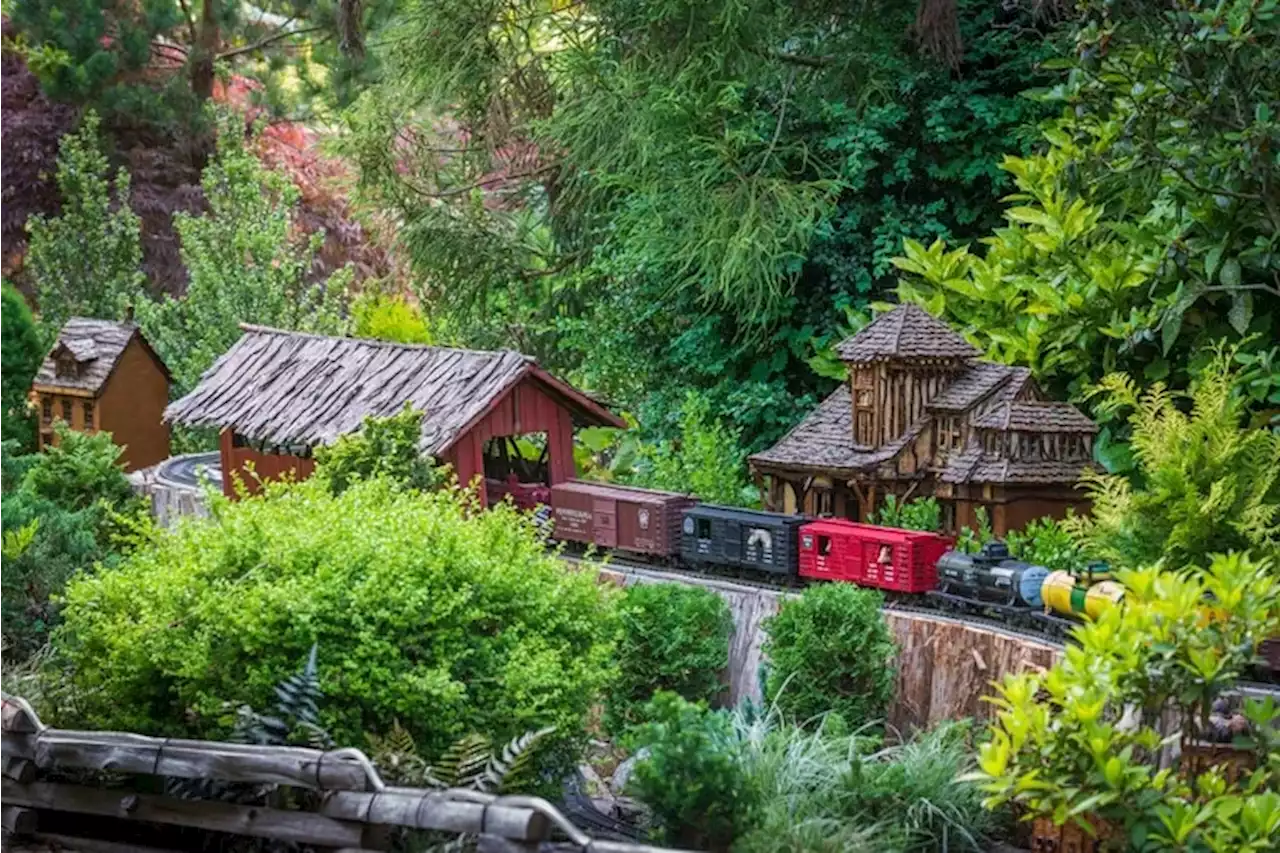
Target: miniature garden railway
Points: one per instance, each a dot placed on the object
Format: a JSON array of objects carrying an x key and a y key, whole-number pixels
[{"x": 719, "y": 580}]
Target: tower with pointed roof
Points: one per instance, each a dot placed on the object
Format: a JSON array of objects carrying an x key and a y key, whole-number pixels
[{"x": 922, "y": 415}]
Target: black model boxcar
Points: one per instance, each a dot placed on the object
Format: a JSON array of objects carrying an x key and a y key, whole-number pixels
[{"x": 742, "y": 538}]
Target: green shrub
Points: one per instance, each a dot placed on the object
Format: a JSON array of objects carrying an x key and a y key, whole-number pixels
[
  {"x": 78, "y": 471},
  {"x": 20, "y": 355},
  {"x": 245, "y": 263},
  {"x": 707, "y": 460},
  {"x": 1205, "y": 483},
  {"x": 389, "y": 317},
  {"x": 62, "y": 510},
  {"x": 674, "y": 638},
  {"x": 830, "y": 650},
  {"x": 756, "y": 783},
  {"x": 87, "y": 260},
  {"x": 918, "y": 514},
  {"x": 693, "y": 778},
  {"x": 451, "y": 621},
  {"x": 1084, "y": 741},
  {"x": 1047, "y": 542},
  {"x": 383, "y": 447}
]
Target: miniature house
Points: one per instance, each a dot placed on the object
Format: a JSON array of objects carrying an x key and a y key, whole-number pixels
[
  {"x": 104, "y": 376},
  {"x": 921, "y": 415},
  {"x": 276, "y": 395}
]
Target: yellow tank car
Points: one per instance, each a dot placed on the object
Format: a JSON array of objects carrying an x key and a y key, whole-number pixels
[{"x": 1064, "y": 594}]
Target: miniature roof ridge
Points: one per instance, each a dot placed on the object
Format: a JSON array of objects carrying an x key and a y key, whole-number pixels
[
  {"x": 296, "y": 388},
  {"x": 97, "y": 346},
  {"x": 906, "y": 332},
  {"x": 1036, "y": 416},
  {"x": 376, "y": 342}
]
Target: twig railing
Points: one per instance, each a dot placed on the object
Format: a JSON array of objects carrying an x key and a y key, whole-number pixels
[{"x": 355, "y": 809}]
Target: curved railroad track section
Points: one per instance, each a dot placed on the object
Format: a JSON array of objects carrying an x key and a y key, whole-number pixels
[{"x": 711, "y": 580}]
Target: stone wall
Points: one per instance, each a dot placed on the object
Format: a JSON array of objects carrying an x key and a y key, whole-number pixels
[{"x": 945, "y": 666}]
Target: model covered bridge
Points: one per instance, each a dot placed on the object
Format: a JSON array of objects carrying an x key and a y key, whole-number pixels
[{"x": 277, "y": 395}]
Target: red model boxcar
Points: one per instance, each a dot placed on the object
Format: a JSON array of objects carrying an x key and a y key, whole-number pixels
[
  {"x": 882, "y": 557},
  {"x": 643, "y": 521}
]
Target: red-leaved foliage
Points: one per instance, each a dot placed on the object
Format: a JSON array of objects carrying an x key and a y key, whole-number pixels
[
  {"x": 164, "y": 169},
  {"x": 323, "y": 183},
  {"x": 30, "y": 127}
]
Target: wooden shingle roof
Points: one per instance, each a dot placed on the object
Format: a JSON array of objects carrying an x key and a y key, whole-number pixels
[
  {"x": 1036, "y": 416},
  {"x": 907, "y": 332},
  {"x": 823, "y": 441},
  {"x": 288, "y": 388},
  {"x": 90, "y": 349}
]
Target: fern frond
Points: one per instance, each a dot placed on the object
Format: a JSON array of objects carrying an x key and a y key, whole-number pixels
[
  {"x": 462, "y": 763},
  {"x": 510, "y": 771},
  {"x": 297, "y": 697}
]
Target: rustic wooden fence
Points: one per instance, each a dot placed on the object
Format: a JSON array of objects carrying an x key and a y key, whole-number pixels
[{"x": 352, "y": 809}]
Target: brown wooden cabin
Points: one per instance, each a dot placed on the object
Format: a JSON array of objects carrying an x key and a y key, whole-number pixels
[
  {"x": 276, "y": 395},
  {"x": 921, "y": 415},
  {"x": 102, "y": 375}
]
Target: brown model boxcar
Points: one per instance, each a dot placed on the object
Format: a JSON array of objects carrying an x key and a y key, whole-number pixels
[{"x": 643, "y": 521}]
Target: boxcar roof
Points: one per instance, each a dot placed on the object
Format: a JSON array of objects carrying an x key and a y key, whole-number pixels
[
  {"x": 613, "y": 491},
  {"x": 283, "y": 387},
  {"x": 732, "y": 512}
]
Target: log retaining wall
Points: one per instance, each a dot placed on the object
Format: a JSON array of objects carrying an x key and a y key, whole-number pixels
[{"x": 945, "y": 666}]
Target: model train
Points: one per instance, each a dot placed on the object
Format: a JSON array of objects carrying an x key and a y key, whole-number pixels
[{"x": 676, "y": 529}]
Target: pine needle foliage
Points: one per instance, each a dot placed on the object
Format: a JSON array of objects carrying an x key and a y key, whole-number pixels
[{"x": 1205, "y": 483}]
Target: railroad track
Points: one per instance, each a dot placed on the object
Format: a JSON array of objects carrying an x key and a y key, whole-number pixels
[{"x": 714, "y": 580}]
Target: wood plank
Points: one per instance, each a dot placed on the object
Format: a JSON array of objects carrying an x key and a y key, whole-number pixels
[
  {"x": 436, "y": 810},
  {"x": 305, "y": 768},
  {"x": 94, "y": 845},
  {"x": 260, "y": 822}
]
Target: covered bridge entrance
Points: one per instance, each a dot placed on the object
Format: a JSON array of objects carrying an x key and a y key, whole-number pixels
[{"x": 495, "y": 417}]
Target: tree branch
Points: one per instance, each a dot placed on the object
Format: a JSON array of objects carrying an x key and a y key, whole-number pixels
[
  {"x": 800, "y": 59},
  {"x": 493, "y": 179},
  {"x": 266, "y": 42}
]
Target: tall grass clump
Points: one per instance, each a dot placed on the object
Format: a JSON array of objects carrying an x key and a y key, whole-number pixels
[{"x": 815, "y": 789}]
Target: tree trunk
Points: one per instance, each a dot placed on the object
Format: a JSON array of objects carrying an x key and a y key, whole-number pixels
[{"x": 204, "y": 51}]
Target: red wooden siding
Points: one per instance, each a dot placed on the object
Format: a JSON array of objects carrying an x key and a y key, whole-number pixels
[
  {"x": 266, "y": 466},
  {"x": 524, "y": 409}
]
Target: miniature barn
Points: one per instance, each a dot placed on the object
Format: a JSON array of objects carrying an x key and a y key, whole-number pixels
[
  {"x": 921, "y": 415},
  {"x": 276, "y": 395},
  {"x": 104, "y": 376}
]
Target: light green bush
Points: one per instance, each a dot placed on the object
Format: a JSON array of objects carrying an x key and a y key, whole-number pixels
[{"x": 449, "y": 620}]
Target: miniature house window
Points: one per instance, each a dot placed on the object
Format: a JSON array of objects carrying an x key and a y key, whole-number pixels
[
  {"x": 950, "y": 434},
  {"x": 862, "y": 379},
  {"x": 88, "y": 414},
  {"x": 704, "y": 528},
  {"x": 66, "y": 411},
  {"x": 823, "y": 500},
  {"x": 67, "y": 365},
  {"x": 47, "y": 413}
]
